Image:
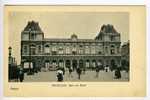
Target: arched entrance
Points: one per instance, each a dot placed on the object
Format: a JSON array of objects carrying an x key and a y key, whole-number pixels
[
  {"x": 47, "y": 65},
  {"x": 74, "y": 64},
  {"x": 100, "y": 64},
  {"x": 113, "y": 64},
  {"x": 87, "y": 64},
  {"x": 81, "y": 65},
  {"x": 93, "y": 64},
  {"x": 61, "y": 63},
  {"x": 54, "y": 63},
  {"x": 68, "y": 64}
]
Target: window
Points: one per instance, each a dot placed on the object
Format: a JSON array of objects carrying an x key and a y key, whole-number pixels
[
  {"x": 32, "y": 36},
  {"x": 67, "y": 50},
  {"x": 93, "y": 50},
  {"x": 74, "y": 50},
  {"x": 112, "y": 51},
  {"x": 33, "y": 49},
  {"x": 60, "y": 50},
  {"x": 25, "y": 50},
  {"x": 112, "y": 38},
  {"x": 54, "y": 50},
  {"x": 87, "y": 50},
  {"x": 106, "y": 50},
  {"x": 118, "y": 49},
  {"x": 99, "y": 52},
  {"x": 47, "y": 49},
  {"x": 99, "y": 49},
  {"x": 39, "y": 49},
  {"x": 81, "y": 51}
]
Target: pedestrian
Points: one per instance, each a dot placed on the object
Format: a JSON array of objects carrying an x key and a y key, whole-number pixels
[
  {"x": 70, "y": 72},
  {"x": 59, "y": 75},
  {"x": 79, "y": 71},
  {"x": 106, "y": 68},
  {"x": 97, "y": 69},
  {"x": 63, "y": 69},
  {"x": 117, "y": 73},
  {"x": 21, "y": 74},
  {"x": 84, "y": 69}
]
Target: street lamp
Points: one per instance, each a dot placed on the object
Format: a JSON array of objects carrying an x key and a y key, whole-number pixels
[{"x": 10, "y": 50}]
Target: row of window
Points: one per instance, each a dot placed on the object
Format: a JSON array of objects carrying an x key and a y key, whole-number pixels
[{"x": 74, "y": 50}]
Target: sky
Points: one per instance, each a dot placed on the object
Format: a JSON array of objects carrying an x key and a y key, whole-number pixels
[{"x": 86, "y": 25}]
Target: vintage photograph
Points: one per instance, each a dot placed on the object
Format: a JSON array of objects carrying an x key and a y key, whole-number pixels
[
  {"x": 68, "y": 47},
  {"x": 74, "y": 51}
]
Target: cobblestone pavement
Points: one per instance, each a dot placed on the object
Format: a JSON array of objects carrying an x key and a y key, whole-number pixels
[{"x": 89, "y": 76}]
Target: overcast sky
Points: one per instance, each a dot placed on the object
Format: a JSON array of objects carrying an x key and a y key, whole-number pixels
[{"x": 62, "y": 25}]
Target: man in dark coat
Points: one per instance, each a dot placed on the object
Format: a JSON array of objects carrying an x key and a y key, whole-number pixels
[
  {"x": 79, "y": 71},
  {"x": 70, "y": 72},
  {"x": 117, "y": 73},
  {"x": 97, "y": 69},
  {"x": 21, "y": 74}
]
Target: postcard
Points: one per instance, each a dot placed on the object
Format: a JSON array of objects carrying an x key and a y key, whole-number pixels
[{"x": 79, "y": 51}]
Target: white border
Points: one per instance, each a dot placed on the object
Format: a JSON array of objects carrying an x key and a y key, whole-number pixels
[{"x": 74, "y": 2}]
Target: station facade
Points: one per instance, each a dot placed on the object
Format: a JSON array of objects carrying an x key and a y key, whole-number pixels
[{"x": 73, "y": 52}]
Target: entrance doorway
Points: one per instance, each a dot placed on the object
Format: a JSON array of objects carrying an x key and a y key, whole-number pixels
[
  {"x": 81, "y": 63},
  {"x": 74, "y": 64},
  {"x": 113, "y": 64},
  {"x": 68, "y": 64}
]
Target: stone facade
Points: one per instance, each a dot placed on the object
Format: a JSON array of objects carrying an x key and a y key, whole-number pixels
[
  {"x": 69, "y": 52},
  {"x": 125, "y": 55}
]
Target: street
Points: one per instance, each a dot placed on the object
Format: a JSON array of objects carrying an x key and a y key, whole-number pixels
[{"x": 89, "y": 76}]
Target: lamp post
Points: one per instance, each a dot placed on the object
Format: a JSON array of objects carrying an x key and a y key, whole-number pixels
[{"x": 10, "y": 50}]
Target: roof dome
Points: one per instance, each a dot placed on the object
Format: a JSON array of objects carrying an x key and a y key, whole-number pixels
[{"x": 74, "y": 36}]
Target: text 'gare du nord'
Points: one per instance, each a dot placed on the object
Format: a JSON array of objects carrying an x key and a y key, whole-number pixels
[{"x": 73, "y": 52}]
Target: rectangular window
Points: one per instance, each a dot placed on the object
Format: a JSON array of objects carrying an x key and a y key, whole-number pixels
[
  {"x": 25, "y": 50},
  {"x": 39, "y": 49},
  {"x": 93, "y": 50},
  {"x": 67, "y": 50},
  {"x": 54, "y": 50},
  {"x": 87, "y": 50}
]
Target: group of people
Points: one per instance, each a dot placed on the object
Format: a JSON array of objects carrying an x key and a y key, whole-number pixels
[
  {"x": 61, "y": 72},
  {"x": 16, "y": 74},
  {"x": 117, "y": 70}
]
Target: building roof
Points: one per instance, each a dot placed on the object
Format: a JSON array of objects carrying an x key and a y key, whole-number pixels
[
  {"x": 106, "y": 29},
  {"x": 33, "y": 26},
  {"x": 67, "y": 40}
]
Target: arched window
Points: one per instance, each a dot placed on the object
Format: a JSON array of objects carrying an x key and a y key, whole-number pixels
[
  {"x": 87, "y": 63},
  {"x": 112, "y": 50},
  {"x": 60, "y": 51},
  {"x": 47, "y": 49},
  {"x": 67, "y": 50},
  {"x": 74, "y": 50}
]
